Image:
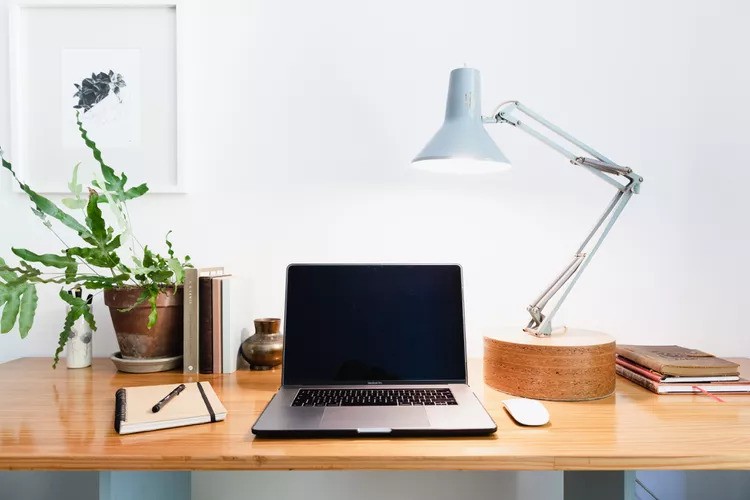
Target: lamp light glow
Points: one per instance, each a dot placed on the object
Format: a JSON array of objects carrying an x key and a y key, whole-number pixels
[{"x": 461, "y": 166}]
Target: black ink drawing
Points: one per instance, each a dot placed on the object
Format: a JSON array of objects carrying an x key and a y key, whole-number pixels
[{"x": 93, "y": 90}]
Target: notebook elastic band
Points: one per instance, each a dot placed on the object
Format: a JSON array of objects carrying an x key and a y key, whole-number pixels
[
  {"x": 121, "y": 408},
  {"x": 208, "y": 405}
]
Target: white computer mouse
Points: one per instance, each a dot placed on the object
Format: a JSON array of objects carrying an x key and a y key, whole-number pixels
[{"x": 527, "y": 411}]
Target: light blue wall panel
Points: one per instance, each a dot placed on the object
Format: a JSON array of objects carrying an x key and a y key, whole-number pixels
[{"x": 144, "y": 486}]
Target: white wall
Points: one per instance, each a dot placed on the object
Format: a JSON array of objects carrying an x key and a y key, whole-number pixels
[{"x": 302, "y": 118}]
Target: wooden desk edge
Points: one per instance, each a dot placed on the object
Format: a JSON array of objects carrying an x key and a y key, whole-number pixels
[
  {"x": 263, "y": 463},
  {"x": 734, "y": 459}
]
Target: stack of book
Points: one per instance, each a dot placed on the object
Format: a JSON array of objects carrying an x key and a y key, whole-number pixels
[
  {"x": 209, "y": 346},
  {"x": 674, "y": 369}
]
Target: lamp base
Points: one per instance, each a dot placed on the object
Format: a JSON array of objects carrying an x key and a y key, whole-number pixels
[{"x": 570, "y": 365}]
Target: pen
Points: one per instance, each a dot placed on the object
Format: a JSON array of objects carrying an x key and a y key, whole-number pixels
[{"x": 166, "y": 399}]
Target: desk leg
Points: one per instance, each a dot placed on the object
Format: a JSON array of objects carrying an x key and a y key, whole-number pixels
[
  {"x": 138, "y": 485},
  {"x": 595, "y": 485}
]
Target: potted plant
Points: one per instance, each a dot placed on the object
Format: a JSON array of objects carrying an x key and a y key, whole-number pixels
[{"x": 143, "y": 291}]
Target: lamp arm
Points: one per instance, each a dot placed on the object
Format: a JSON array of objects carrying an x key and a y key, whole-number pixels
[{"x": 601, "y": 166}]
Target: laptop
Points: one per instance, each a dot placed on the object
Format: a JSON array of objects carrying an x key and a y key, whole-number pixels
[{"x": 373, "y": 350}]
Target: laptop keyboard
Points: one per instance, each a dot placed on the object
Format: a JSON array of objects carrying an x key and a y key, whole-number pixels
[{"x": 374, "y": 397}]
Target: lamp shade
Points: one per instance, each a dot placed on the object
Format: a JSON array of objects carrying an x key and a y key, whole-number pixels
[{"x": 462, "y": 145}]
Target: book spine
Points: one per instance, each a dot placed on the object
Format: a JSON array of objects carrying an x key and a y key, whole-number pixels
[
  {"x": 216, "y": 323},
  {"x": 700, "y": 380},
  {"x": 656, "y": 377},
  {"x": 637, "y": 378},
  {"x": 205, "y": 325},
  {"x": 190, "y": 317},
  {"x": 228, "y": 349},
  {"x": 121, "y": 409},
  {"x": 641, "y": 359}
]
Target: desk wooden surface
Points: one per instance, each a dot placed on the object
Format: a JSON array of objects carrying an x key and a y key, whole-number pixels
[{"x": 62, "y": 420}]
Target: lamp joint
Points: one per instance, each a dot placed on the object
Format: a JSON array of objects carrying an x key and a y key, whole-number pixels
[
  {"x": 536, "y": 316},
  {"x": 502, "y": 117},
  {"x": 537, "y": 332}
]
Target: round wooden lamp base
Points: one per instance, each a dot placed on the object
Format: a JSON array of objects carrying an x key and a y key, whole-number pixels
[{"x": 570, "y": 365}]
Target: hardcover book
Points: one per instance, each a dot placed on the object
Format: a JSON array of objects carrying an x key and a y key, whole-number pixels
[
  {"x": 190, "y": 317},
  {"x": 197, "y": 404},
  {"x": 678, "y": 361},
  {"x": 205, "y": 325},
  {"x": 229, "y": 347},
  {"x": 213, "y": 323},
  {"x": 660, "y": 377},
  {"x": 740, "y": 386},
  {"x": 216, "y": 311}
]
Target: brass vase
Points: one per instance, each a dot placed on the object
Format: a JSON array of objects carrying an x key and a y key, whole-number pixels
[{"x": 263, "y": 350}]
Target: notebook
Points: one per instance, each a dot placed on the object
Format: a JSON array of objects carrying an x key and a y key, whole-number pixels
[{"x": 197, "y": 404}]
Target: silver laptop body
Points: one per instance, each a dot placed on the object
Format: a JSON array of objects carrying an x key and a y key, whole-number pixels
[{"x": 373, "y": 349}]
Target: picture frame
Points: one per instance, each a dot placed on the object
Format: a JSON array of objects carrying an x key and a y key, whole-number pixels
[{"x": 119, "y": 65}]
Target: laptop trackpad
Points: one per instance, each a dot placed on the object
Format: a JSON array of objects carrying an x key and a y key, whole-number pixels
[{"x": 358, "y": 417}]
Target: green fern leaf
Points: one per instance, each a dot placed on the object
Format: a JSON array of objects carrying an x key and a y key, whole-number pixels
[
  {"x": 89, "y": 317},
  {"x": 73, "y": 314},
  {"x": 5, "y": 273},
  {"x": 48, "y": 259},
  {"x": 27, "y": 310},
  {"x": 152, "y": 315},
  {"x": 95, "y": 221},
  {"x": 10, "y": 311}
]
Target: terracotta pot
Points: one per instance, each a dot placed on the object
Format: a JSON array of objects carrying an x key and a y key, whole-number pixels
[{"x": 135, "y": 339}]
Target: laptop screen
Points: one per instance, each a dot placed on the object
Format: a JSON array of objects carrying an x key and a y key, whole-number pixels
[{"x": 371, "y": 324}]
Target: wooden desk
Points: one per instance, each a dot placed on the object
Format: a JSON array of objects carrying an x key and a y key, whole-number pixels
[{"x": 62, "y": 420}]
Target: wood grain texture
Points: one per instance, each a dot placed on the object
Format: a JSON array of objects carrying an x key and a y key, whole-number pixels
[
  {"x": 574, "y": 365},
  {"x": 62, "y": 420}
]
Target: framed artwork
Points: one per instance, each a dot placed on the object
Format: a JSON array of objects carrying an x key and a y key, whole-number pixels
[{"x": 113, "y": 67}]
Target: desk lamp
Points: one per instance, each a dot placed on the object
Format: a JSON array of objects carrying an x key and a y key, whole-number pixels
[{"x": 537, "y": 361}]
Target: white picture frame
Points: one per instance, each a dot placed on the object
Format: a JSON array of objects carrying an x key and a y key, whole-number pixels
[{"x": 138, "y": 129}]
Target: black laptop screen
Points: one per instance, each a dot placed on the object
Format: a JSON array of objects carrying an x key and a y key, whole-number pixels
[{"x": 359, "y": 324}]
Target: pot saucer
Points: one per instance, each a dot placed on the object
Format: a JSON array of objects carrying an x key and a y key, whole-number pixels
[{"x": 150, "y": 365}]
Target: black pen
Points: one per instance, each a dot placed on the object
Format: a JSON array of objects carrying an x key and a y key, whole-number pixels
[{"x": 166, "y": 399}]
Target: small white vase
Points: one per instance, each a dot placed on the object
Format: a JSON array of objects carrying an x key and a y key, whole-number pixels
[{"x": 78, "y": 349}]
